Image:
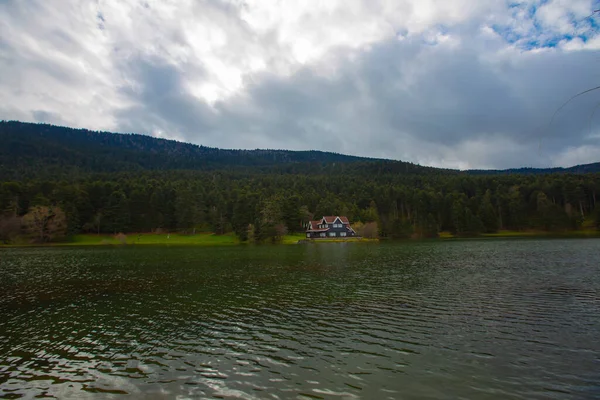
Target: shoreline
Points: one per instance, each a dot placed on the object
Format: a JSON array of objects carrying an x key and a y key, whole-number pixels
[{"x": 211, "y": 239}]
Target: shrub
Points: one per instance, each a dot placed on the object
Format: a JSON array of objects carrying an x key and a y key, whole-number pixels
[{"x": 121, "y": 238}]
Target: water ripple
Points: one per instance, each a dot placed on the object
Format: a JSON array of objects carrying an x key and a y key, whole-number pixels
[{"x": 480, "y": 319}]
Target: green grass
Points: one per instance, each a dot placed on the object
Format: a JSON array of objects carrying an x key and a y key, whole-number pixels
[
  {"x": 531, "y": 234},
  {"x": 211, "y": 239},
  {"x": 201, "y": 239},
  {"x": 577, "y": 233},
  {"x": 589, "y": 224},
  {"x": 293, "y": 238}
]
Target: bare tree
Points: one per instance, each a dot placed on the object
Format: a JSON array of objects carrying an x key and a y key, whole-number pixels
[
  {"x": 121, "y": 238},
  {"x": 45, "y": 223},
  {"x": 370, "y": 230},
  {"x": 280, "y": 231}
]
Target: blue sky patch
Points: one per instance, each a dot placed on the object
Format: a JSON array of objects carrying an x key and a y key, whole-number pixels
[{"x": 539, "y": 36}]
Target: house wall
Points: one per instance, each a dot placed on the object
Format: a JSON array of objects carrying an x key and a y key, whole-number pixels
[{"x": 337, "y": 232}]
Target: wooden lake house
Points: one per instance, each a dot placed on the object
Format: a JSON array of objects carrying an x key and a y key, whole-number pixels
[{"x": 330, "y": 227}]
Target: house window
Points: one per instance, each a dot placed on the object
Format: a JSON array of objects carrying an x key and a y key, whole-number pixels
[
  {"x": 332, "y": 234},
  {"x": 342, "y": 233},
  {"x": 322, "y": 234},
  {"x": 308, "y": 235}
]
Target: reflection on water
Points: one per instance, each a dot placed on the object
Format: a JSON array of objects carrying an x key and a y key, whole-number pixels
[{"x": 471, "y": 319}]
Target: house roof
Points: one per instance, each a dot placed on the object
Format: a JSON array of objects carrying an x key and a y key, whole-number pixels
[
  {"x": 313, "y": 225},
  {"x": 330, "y": 219}
]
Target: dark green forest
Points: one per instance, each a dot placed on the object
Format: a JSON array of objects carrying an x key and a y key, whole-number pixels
[{"x": 80, "y": 181}]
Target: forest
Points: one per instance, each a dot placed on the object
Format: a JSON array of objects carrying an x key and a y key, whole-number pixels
[{"x": 56, "y": 182}]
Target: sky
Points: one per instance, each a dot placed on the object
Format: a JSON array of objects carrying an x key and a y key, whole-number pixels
[{"x": 450, "y": 83}]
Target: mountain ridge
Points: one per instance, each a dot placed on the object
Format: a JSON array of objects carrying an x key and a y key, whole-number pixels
[{"x": 63, "y": 150}]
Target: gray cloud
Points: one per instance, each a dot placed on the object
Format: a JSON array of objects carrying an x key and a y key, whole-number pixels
[
  {"x": 160, "y": 101},
  {"x": 456, "y": 95},
  {"x": 47, "y": 117},
  {"x": 379, "y": 106}
]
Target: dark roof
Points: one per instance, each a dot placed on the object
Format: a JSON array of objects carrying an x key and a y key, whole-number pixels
[
  {"x": 312, "y": 225},
  {"x": 331, "y": 218}
]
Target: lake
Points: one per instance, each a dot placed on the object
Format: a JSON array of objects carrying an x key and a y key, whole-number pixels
[{"x": 484, "y": 319}]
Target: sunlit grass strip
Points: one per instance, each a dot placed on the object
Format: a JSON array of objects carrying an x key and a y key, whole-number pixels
[
  {"x": 574, "y": 233},
  {"x": 211, "y": 239},
  {"x": 293, "y": 238},
  {"x": 201, "y": 239},
  {"x": 527, "y": 233}
]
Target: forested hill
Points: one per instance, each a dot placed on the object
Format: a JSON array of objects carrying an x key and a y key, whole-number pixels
[
  {"x": 41, "y": 150},
  {"x": 56, "y": 181},
  {"x": 46, "y": 151},
  {"x": 577, "y": 169}
]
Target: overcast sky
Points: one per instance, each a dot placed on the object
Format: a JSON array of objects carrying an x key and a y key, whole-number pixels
[{"x": 453, "y": 83}]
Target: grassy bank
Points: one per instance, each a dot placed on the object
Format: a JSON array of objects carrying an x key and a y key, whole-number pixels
[
  {"x": 211, "y": 239},
  {"x": 201, "y": 239},
  {"x": 565, "y": 234},
  {"x": 529, "y": 234},
  {"x": 293, "y": 238}
]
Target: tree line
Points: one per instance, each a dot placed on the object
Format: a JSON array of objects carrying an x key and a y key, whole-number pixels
[{"x": 262, "y": 205}]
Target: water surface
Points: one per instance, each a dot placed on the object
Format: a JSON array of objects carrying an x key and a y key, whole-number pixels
[{"x": 485, "y": 319}]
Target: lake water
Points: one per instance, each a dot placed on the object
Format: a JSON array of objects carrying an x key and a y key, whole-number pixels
[{"x": 480, "y": 319}]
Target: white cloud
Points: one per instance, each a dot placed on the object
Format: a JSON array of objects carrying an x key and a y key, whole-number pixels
[
  {"x": 459, "y": 83},
  {"x": 578, "y": 44},
  {"x": 574, "y": 155},
  {"x": 559, "y": 15}
]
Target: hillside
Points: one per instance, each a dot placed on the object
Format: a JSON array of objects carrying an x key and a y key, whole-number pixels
[
  {"x": 42, "y": 150},
  {"x": 98, "y": 182},
  {"x": 577, "y": 169},
  {"x": 46, "y": 151}
]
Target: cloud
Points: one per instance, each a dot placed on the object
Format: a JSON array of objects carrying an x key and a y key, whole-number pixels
[{"x": 460, "y": 83}]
